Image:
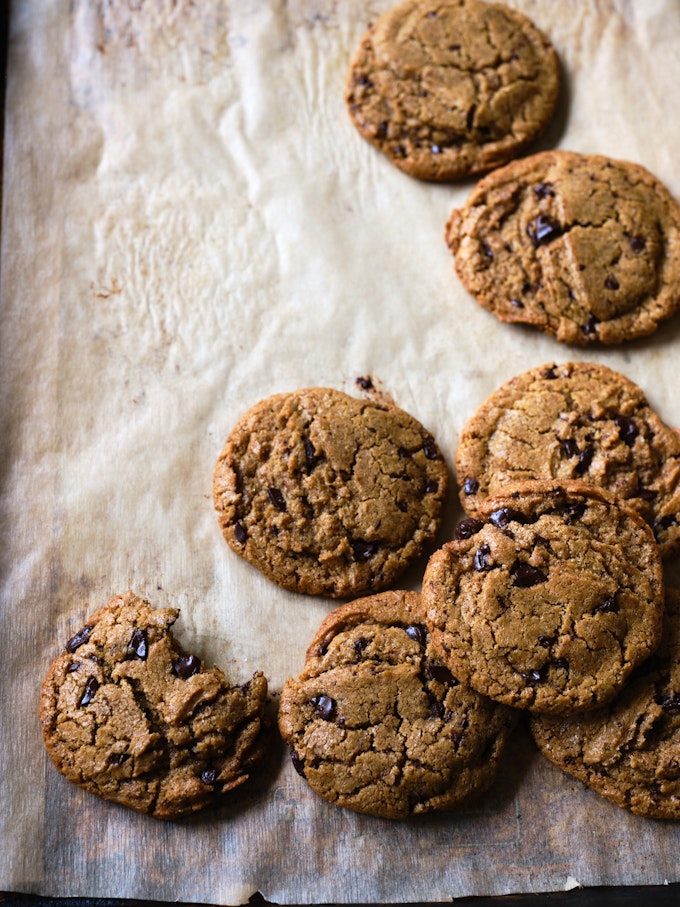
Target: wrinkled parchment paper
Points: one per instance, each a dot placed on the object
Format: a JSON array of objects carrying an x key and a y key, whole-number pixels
[{"x": 191, "y": 223}]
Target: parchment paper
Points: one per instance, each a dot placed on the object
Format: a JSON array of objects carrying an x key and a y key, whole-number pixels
[{"x": 191, "y": 223}]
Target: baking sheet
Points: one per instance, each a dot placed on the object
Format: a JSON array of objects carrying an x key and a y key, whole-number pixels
[{"x": 191, "y": 223}]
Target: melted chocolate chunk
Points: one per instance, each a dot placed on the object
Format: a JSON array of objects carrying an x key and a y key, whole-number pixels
[
  {"x": 570, "y": 448},
  {"x": 277, "y": 499},
  {"x": 573, "y": 512},
  {"x": 670, "y": 702},
  {"x": 430, "y": 448},
  {"x": 470, "y": 486},
  {"x": 417, "y": 632},
  {"x": 209, "y": 776},
  {"x": 637, "y": 244},
  {"x": 467, "y": 528},
  {"x": 117, "y": 758},
  {"x": 298, "y": 763},
  {"x": 186, "y": 666},
  {"x": 536, "y": 675},
  {"x": 311, "y": 458},
  {"x": 608, "y": 606},
  {"x": 240, "y": 533},
  {"x": 363, "y": 550},
  {"x": 80, "y": 637},
  {"x": 431, "y": 486},
  {"x": 611, "y": 283},
  {"x": 543, "y": 230},
  {"x": 138, "y": 646},
  {"x": 501, "y": 518},
  {"x": 628, "y": 430},
  {"x": 482, "y": 559},
  {"x": 525, "y": 575},
  {"x": 585, "y": 458},
  {"x": 359, "y": 646},
  {"x": 590, "y": 327},
  {"x": 544, "y": 190},
  {"x": 324, "y": 707},
  {"x": 91, "y": 688}
]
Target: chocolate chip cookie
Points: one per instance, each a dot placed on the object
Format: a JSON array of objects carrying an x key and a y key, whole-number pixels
[
  {"x": 449, "y": 88},
  {"x": 327, "y": 494},
  {"x": 582, "y": 421},
  {"x": 578, "y": 245},
  {"x": 549, "y": 599},
  {"x": 377, "y": 724},
  {"x": 629, "y": 751},
  {"x": 129, "y": 716}
]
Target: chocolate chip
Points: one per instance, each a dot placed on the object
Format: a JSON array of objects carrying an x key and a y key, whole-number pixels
[
  {"x": 324, "y": 707},
  {"x": 585, "y": 458},
  {"x": 91, "y": 688},
  {"x": 436, "y": 708},
  {"x": 440, "y": 673},
  {"x": 525, "y": 575},
  {"x": 311, "y": 458},
  {"x": 573, "y": 512},
  {"x": 364, "y": 81},
  {"x": 501, "y": 518},
  {"x": 240, "y": 533},
  {"x": 608, "y": 606},
  {"x": 561, "y": 663},
  {"x": 359, "y": 646},
  {"x": 518, "y": 304},
  {"x": 430, "y": 448},
  {"x": 470, "y": 486},
  {"x": 363, "y": 550},
  {"x": 209, "y": 776},
  {"x": 661, "y": 525},
  {"x": 637, "y": 243},
  {"x": 80, "y": 637},
  {"x": 550, "y": 373},
  {"x": 74, "y": 666},
  {"x": 570, "y": 447},
  {"x": 138, "y": 646},
  {"x": 431, "y": 486},
  {"x": 536, "y": 675},
  {"x": 487, "y": 250},
  {"x": 611, "y": 283},
  {"x": 544, "y": 190},
  {"x": 590, "y": 327},
  {"x": 298, "y": 763},
  {"x": 543, "y": 230},
  {"x": 628, "y": 430},
  {"x": 545, "y": 641},
  {"x": 117, "y": 758},
  {"x": 417, "y": 632},
  {"x": 482, "y": 560},
  {"x": 365, "y": 384},
  {"x": 186, "y": 666},
  {"x": 467, "y": 528},
  {"x": 670, "y": 703},
  {"x": 277, "y": 499}
]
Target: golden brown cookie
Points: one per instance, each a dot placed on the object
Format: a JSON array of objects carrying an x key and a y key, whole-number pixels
[
  {"x": 327, "y": 494},
  {"x": 377, "y": 724},
  {"x": 549, "y": 599},
  {"x": 577, "y": 420},
  {"x": 629, "y": 750},
  {"x": 129, "y": 716},
  {"x": 449, "y": 88},
  {"x": 578, "y": 245}
]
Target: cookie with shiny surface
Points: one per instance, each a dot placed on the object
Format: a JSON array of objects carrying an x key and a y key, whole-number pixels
[
  {"x": 129, "y": 716},
  {"x": 629, "y": 751},
  {"x": 328, "y": 494},
  {"x": 580, "y": 246},
  {"x": 547, "y": 600},
  {"x": 575, "y": 421},
  {"x": 377, "y": 724},
  {"x": 449, "y": 89}
]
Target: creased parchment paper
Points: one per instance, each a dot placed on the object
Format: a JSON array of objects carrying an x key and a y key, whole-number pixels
[{"x": 191, "y": 223}]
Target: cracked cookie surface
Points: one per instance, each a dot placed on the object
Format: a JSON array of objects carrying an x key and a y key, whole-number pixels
[
  {"x": 582, "y": 247},
  {"x": 377, "y": 724},
  {"x": 629, "y": 750},
  {"x": 129, "y": 716},
  {"x": 549, "y": 599},
  {"x": 449, "y": 88},
  {"x": 575, "y": 421},
  {"x": 328, "y": 494}
]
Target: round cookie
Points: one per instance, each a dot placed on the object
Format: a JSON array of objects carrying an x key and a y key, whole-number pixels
[
  {"x": 449, "y": 88},
  {"x": 629, "y": 750},
  {"x": 129, "y": 716},
  {"x": 377, "y": 724},
  {"x": 327, "y": 494},
  {"x": 575, "y": 421},
  {"x": 580, "y": 246},
  {"x": 549, "y": 599}
]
